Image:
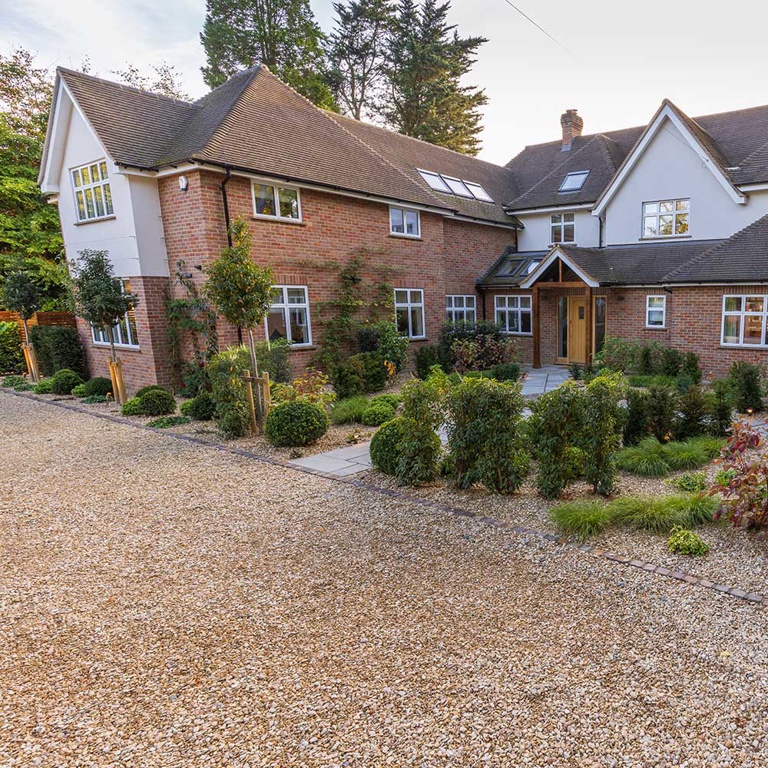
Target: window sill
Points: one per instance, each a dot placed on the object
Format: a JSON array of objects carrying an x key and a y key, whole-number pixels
[
  {"x": 656, "y": 328},
  {"x": 278, "y": 220},
  {"x": 405, "y": 237},
  {"x": 106, "y": 345},
  {"x": 301, "y": 347},
  {"x": 515, "y": 333},
  {"x": 662, "y": 238},
  {"x": 95, "y": 221},
  {"x": 416, "y": 338},
  {"x": 567, "y": 245},
  {"x": 753, "y": 347}
]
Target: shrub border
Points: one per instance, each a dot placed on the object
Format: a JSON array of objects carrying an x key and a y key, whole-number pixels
[{"x": 681, "y": 576}]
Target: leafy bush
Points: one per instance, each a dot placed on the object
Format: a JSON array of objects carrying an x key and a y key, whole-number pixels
[
  {"x": 671, "y": 362},
  {"x": 151, "y": 388},
  {"x": 663, "y": 405},
  {"x": 690, "y": 482},
  {"x": 374, "y": 371},
  {"x": 426, "y": 357},
  {"x": 684, "y": 542},
  {"x": 349, "y": 410},
  {"x": 64, "y": 381},
  {"x": 583, "y": 518},
  {"x": 386, "y": 341},
  {"x": 311, "y": 386},
  {"x": 200, "y": 408},
  {"x": 576, "y": 370},
  {"x": 79, "y": 391},
  {"x": 158, "y": 402},
  {"x": 650, "y": 380},
  {"x": 58, "y": 347},
  {"x": 296, "y": 423},
  {"x": 691, "y": 368},
  {"x": 744, "y": 379},
  {"x": 226, "y": 370},
  {"x": 376, "y": 414},
  {"x": 348, "y": 377},
  {"x": 11, "y": 354},
  {"x": 273, "y": 358},
  {"x": 98, "y": 386},
  {"x": 163, "y": 422},
  {"x": 484, "y": 439},
  {"x": 722, "y": 408},
  {"x": 636, "y": 423},
  {"x": 11, "y": 382},
  {"x": 618, "y": 354},
  {"x": 506, "y": 372},
  {"x": 91, "y": 399},
  {"x": 133, "y": 407},
  {"x": 483, "y": 352},
  {"x": 43, "y": 387},
  {"x": 694, "y": 412},
  {"x": 744, "y": 479},
  {"x": 648, "y": 459},
  {"x": 391, "y": 399},
  {"x": 385, "y": 446}
]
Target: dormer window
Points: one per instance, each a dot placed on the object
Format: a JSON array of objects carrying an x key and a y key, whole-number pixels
[
  {"x": 93, "y": 196},
  {"x": 666, "y": 218},
  {"x": 573, "y": 182}
]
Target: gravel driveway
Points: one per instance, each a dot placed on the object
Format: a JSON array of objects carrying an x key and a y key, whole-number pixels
[{"x": 166, "y": 604}]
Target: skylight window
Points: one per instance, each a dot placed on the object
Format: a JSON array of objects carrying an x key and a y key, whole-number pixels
[
  {"x": 478, "y": 192},
  {"x": 435, "y": 180},
  {"x": 457, "y": 186},
  {"x": 573, "y": 182}
]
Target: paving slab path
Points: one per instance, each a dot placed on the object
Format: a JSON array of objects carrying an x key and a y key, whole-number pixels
[{"x": 164, "y": 603}]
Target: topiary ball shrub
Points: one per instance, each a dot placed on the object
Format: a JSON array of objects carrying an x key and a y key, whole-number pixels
[
  {"x": 377, "y": 413},
  {"x": 151, "y": 388},
  {"x": 158, "y": 402},
  {"x": 64, "y": 381},
  {"x": 133, "y": 407},
  {"x": 296, "y": 423},
  {"x": 200, "y": 408},
  {"x": 98, "y": 386},
  {"x": 386, "y": 445}
]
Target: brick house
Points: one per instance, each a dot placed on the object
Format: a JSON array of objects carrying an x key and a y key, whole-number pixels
[{"x": 652, "y": 232}]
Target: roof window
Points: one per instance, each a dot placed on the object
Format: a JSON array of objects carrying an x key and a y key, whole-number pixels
[
  {"x": 454, "y": 186},
  {"x": 573, "y": 182},
  {"x": 435, "y": 180}
]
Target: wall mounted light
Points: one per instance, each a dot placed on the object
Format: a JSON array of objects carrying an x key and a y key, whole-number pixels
[{"x": 183, "y": 183}]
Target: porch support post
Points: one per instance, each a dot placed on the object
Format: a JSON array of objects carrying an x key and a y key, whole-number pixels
[
  {"x": 536, "y": 328},
  {"x": 588, "y": 334}
]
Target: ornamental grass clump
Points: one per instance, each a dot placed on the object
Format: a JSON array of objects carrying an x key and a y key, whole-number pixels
[
  {"x": 349, "y": 410},
  {"x": 685, "y": 455},
  {"x": 648, "y": 459},
  {"x": 376, "y": 414},
  {"x": 582, "y": 518},
  {"x": 660, "y": 515}
]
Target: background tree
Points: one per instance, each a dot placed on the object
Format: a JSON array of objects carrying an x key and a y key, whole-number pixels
[
  {"x": 239, "y": 289},
  {"x": 21, "y": 294},
  {"x": 356, "y": 52},
  {"x": 282, "y": 34},
  {"x": 165, "y": 80},
  {"x": 426, "y": 61},
  {"x": 30, "y": 234},
  {"x": 99, "y": 297}
]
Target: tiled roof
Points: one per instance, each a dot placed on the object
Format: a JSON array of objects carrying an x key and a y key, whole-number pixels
[
  {"x": 510, "y": 269},
  {"x": 254, "y": 122}
]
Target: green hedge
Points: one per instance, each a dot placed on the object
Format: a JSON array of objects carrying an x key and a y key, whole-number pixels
[
  {"x": 58, "y": 347},
  {"x": 11, "y": 356}
]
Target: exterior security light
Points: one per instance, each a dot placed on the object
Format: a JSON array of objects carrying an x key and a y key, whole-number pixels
[{"x": 183, "y": 183}]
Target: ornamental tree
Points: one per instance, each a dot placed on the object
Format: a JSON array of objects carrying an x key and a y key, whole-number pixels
[
  {"x": 21, "y": 295},
  {"x": 239, "y": 289},
  {"x": 98, "y": 294}
]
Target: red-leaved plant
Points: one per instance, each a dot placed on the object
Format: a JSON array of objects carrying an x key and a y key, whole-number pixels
[{"x": 744, "y": 489}]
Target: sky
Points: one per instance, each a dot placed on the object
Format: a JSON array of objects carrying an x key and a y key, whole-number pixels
[{"x": 614, "y": 60}]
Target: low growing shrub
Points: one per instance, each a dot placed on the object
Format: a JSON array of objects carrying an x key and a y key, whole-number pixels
[
  {"x": 163, "y": 422},
  {"x": 646, "y": 459},
  {"x": 296, "y": 423},
  {"x": 132, "y": 407},
  {"x": 350, "y": 410},
  {"x": 684, "y": 542},
  {"x": 583, "y": 518},
  {"x": 151, "y": 388},
  {"x": 64, "y": 381},
  {"x": 200, "y": 408},
  {"x": 158, "y": 402},
  {"x": 661, "y": 515},
  {"x": 690, "y": 482},
  {"x": 618, "y": 354},
  {"x": 98, "y": 386},
  {"x": 650, "y": 380},
  {"x": 348, "y": 378},
  {"x": 385, "y": 446},
  {"x": 389, "y": 398},
  {"x": 92, "y": 399},
  {"x": 686, "y": 455},
  {"x": 43, "y": 387},
  {"x": 14, "y": 382},
  {"x": 745, "y": 381},
  {"x": 374, "y": 371},
  {"x": 376, "y": 414},
  {"x": 506, "y": 372},
  {"x": 79, "y": 391}
]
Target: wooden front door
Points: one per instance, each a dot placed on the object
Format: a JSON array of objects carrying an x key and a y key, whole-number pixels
[{"x": 577, "y": 329}]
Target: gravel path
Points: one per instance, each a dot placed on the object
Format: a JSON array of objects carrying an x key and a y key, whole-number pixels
[{"x": 166, "y": 604}]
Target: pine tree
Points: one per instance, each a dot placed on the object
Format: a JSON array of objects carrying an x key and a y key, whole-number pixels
[
  {"x": 357, "y": 48},
  {"x": 282, "y": 34},
  {"x": 426, "y": 60}
]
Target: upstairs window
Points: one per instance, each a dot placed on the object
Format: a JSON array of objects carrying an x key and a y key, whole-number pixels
[
  {"x": 404, "y": 223},
  {"x": 288, "y": 316},
  {"x": 124, "y": 333},
  {"x": 435, "y": 180},
  {"x": 93, "y": 196},
  {"x": 573, "y": 182},
  {"x": 273, "y": 202},
  {"x": 457, "y": 186},
  {"x": 460, "y": 309},
  {"x": 562, "y": 227},
  {"x": 666, "y": 218}
]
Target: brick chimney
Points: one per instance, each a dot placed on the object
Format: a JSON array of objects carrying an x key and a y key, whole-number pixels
[{"x": 572, "y": 126}]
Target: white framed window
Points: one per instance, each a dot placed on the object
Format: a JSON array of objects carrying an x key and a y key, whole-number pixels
[
  {"x": 655, "y": 311},
  {"x": 124, "y": 333},
  {"x": 666, "y": 218},
  {"x": 271, "y": 201},
  {"x": 93, "y": 195},
  {"x": 562, "y": 227},
  {"x": 460, "y": 309},
  {"x": 454, "y": 186},
  {"x": 514, "y": 314},
  {"x": 409, "y": 312},
  {"x": 288, "y": 317},
  {"x": 573, "y": 182},
  {"x": 404, "y": 222},
  {"x": 744, "y": 321}
]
